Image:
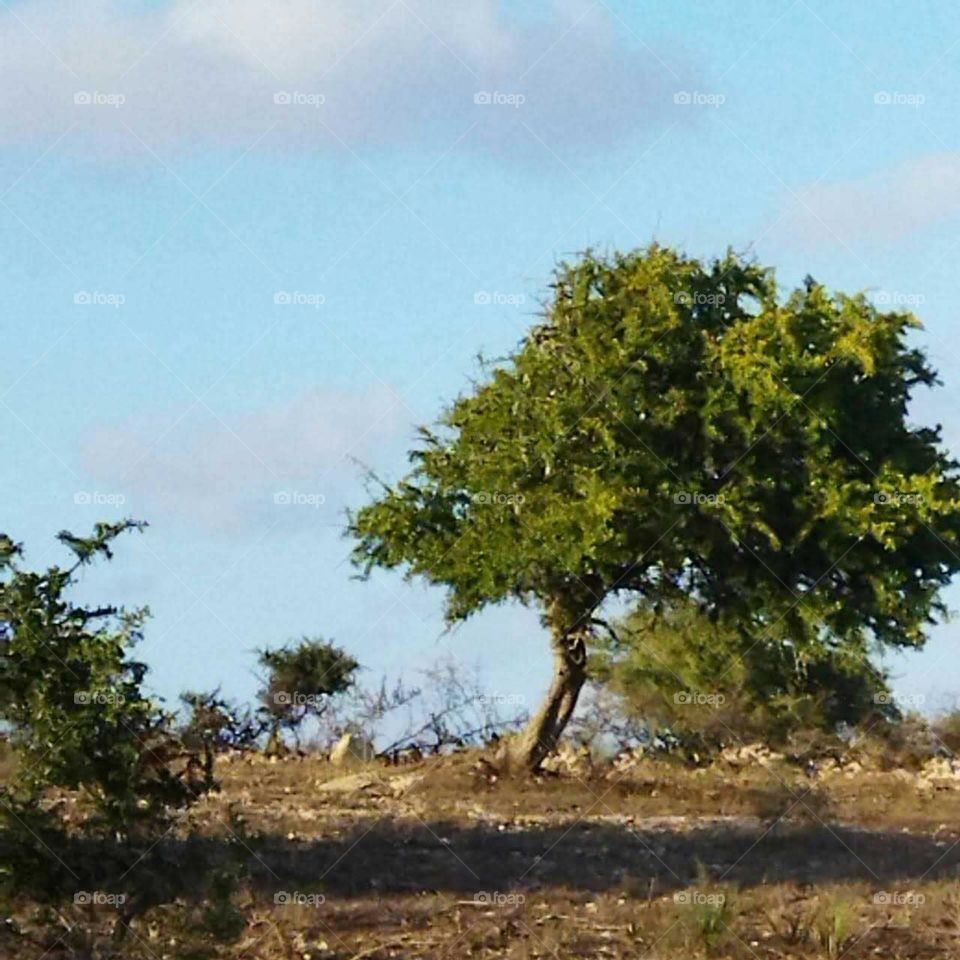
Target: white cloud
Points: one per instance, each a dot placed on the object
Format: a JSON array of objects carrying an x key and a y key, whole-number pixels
[
  {"x": 290, "y": 463},
  {"x": 191, "y": 73},
  {"x": 885, "y": 206}
]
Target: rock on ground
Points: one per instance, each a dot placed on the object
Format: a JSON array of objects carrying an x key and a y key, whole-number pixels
[{"x": 352, "y": 748}]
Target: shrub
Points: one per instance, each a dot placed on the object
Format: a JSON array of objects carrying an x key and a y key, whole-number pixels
[
  {"x": 214, "y": 724},
  {"x": 701, "y": 681},
  {"x": 71, "y": 697},
  {"x": 301, "y": 678}
]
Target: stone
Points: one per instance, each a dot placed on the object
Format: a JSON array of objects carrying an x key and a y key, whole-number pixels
[{"x": 352, "y": 748}]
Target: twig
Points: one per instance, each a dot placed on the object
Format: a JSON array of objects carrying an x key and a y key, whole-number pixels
[{"x": 390, "y": 943}]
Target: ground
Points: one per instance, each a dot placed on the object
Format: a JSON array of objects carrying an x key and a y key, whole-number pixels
[{"x": 751, "y": 856}]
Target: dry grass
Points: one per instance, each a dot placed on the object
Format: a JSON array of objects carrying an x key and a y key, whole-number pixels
[{"x": 445, "y": 859}]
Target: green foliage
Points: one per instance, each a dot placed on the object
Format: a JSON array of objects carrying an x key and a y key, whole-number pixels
[
  {"x": 222, "y": 918},
  {"x": 300, "y": 680},
  {"x": 214, "y": 724},
  {"x": 71, "y": 695},
  {"x": 679, "y": 429},
  {"x": 702, "y": 681}
]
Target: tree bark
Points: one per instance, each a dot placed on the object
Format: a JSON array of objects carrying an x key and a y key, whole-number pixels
[{"x": 540, "y": 736}]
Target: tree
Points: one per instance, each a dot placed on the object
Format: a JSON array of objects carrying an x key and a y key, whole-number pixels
[
  {"x": 300, "y": 680},
  {"x": 72, "y": 696},
  {"x": 680, "y": 672},
  {"x": 676, "y": 429}
]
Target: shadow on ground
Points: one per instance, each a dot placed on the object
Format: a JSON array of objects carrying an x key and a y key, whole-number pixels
[{"x": 392, "y": 857}]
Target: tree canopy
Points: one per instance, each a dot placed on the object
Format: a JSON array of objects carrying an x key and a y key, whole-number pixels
[{"x": 679, "y": 429}]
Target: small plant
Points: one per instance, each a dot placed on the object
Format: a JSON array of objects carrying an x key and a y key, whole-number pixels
[
  {"x": 222, "y": 919},
  {"x": 214, "y": 724},
  {"x": 705, "y": 915},
  {"x": 301, "y": 679},
  {"x": 833, "y": 928},
  {"x": 712, "y": 919}
]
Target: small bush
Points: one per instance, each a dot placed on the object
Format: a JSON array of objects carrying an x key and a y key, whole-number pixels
[
  {"x": 71, "y": 696},
  {"x": 301, "y": 679},
  {"x": 700, "y": 683},
  {"x": 214, "y": 724}
]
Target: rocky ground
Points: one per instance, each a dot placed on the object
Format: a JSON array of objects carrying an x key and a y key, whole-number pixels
[{"x": 751, "y": 856}]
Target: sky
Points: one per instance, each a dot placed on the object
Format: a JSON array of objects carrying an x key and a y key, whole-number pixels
[{"x": 246, "y": 248}]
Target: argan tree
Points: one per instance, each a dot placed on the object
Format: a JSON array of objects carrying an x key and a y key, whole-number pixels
[
  {"x": 301, "y": 678},
  {"x": 678, "y": 429}
]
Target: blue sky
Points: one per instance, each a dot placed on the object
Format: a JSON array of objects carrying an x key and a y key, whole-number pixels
[{"x": 243, "y": 245}]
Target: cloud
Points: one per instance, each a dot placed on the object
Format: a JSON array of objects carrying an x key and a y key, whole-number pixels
[
  {"x": 324, "y": 73},
  {"x": 885, "y": 206},
  {"x": 286, "y": 464}
]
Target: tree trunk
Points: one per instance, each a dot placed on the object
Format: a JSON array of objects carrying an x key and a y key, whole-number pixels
[{"x": 540, "y": 736}]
